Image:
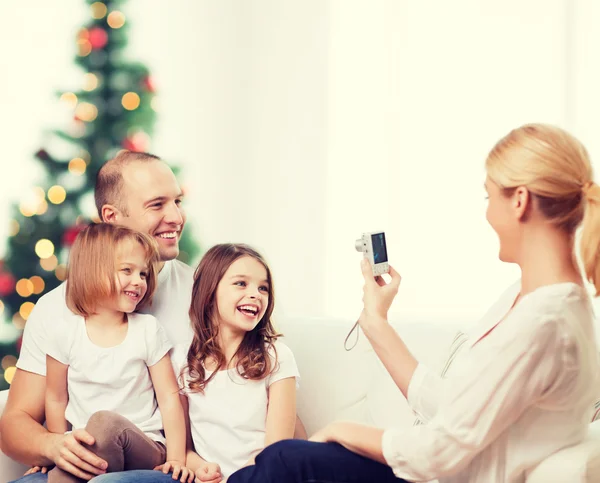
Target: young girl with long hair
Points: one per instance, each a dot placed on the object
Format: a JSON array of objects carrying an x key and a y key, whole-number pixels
[
  {"x": 113, "y": 375},
  {"x": 238, "y": 380}
]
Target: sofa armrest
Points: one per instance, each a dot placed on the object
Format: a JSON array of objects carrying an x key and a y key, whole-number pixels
[
  {"x": 576, "y": 464},
  {"x": 9, "y": 469}
]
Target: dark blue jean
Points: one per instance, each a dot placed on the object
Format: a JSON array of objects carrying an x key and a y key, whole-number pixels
[
  {"x": 133, "y": 476},
  {"x": 297, "y": 461}
]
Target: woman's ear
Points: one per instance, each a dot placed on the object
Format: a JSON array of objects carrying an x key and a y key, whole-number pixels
[{"x": 522, "y": 202}]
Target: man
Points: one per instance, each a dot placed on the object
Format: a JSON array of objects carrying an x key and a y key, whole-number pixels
[{"x": 140, "y": 191}]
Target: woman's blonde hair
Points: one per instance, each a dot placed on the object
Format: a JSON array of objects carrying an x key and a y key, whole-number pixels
[
  {"x": 92, "y": 268},
  {"x": 555, "y": 168}
]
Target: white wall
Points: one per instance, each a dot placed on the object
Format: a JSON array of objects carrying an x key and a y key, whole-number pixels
[{"x": 302, "y": 123}]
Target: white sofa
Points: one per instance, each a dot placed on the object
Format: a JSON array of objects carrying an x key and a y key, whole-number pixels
[{"x": 336, "y": 384}]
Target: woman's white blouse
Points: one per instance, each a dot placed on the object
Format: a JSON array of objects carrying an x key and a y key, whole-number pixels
[{"x": 510, "y": 399}]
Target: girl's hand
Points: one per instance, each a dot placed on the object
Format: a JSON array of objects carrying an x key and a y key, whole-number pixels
[
  {"x": 209, "y": 473},
  {"x": 377, "y": 294},
  {"x": 36, "y": 469},
  {"x": 180, "y": 471}
]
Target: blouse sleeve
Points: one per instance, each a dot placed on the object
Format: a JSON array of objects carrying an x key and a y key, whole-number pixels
[{"x": 477, "y": 405}]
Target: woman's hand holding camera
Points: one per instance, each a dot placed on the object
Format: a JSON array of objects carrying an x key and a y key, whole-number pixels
[{"x": 378, "y": 296}]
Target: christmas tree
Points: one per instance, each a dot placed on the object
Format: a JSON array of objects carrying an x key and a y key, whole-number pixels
[{"x": 114, "y": 110}]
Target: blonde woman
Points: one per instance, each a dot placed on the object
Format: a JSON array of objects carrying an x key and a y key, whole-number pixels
[{"x": 522, "y": 387}]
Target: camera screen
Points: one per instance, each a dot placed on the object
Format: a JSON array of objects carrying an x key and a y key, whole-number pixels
[{"x": 379, "y": 249}]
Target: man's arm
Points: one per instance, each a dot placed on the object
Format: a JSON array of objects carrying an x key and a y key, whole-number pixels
[
  {"x": 26, "y": 440},
  {"x": 23, "y": 436}
]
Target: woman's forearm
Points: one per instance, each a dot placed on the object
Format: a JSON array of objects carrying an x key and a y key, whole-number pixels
[
  {"x": 391, "y": 350},
  {"x": 358, "y": 438}
]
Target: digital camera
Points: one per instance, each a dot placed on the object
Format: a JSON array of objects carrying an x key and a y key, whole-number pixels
[{"x": 375, "y": 250}]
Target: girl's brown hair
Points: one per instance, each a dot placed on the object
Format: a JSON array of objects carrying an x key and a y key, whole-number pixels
[
  {"x": 252, "y": 357},
  {"x": 92, "y": 268},
  {"x": 555, "y": 168}
]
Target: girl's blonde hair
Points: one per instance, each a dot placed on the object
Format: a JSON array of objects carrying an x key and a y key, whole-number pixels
[
  {"x": 555, "y": 168},
  {"x": 92, "y": 268}
]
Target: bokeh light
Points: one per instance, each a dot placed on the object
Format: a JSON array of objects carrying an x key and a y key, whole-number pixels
[
  {"x": 86, "y": 111},
  {"x": 61, "y": 272},
  {"x": 84, "y": 47},
  {"x": 130, "y": 101},
  {"x": 24, "y": 287},
  {"x": 69, "y": 99},
  {"x": 115, "y": 19},
  {"x": 90, "y": 82},
  {"x": 57, "y": 194},
  {"x": 77, "y": 166},
  {"x": 13, "y": 227},
  {"x": 98, "y": 10},
  {"x": 25, "y": 310},
  {"x": 9, "y": 373},
  {"x": 49, "y": 264},
  {"x": 44, "y": 248},
  {"x": 38, "y": 284},
  {"x": 8, "y": 361}
]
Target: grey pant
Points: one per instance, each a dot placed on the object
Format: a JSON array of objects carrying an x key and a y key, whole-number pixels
[{"x": 120, "y": 443}]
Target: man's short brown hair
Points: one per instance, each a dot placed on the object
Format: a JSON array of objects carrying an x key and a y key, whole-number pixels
[{"x": 109, "y": 180}]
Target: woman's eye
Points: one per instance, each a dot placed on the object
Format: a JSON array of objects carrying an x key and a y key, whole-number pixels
[{"x": 126, "y": 270}]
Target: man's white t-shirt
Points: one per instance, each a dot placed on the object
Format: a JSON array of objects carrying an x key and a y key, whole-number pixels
[
  {"x": 228, "y": 420},
  {"x": 170, "y": 305},
  {"x": 112, "y": 378}
]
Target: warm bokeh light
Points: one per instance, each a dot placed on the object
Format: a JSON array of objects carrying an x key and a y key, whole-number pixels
[
  {"x": 83, "y": 33},
  {"x": 69, "y": 99},
  {"x": 90, "y": 82},
  {"x": 26, "y": 210},
  {"x": 24, "y": 287},
  {"x": 44, "y": 248},
  {"x": 115, "y": 19},
  {"x": 84, "y": 47},
  {"x": 13, "y": 227},
  {"x": 77, "y": 166},
  {"x": 61, "y": 272},
  {"x": 8, "y": 361},
  {"x": 86, "y": 112},
  {"x": 130, "y": 101},
  {"x": 9, "y": 374},
  {"x": 77, "y": 129},
  {"x": 38, "y": 284},
  {"x": 57, "y": 194},
  {"x": 42, "y": 207},
  {"x": 49, "y": 263},
  {"x": 98, "y": 10},
  {"x": 18, "y": 321},
  {"x": 1, "y": 307},
  {"x": 26, "y": 308}
]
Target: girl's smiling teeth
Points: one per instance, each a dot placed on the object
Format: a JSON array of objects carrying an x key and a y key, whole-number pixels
[
  {"x": 133, "y": 295},
  {"x": 251, "y": 310}
]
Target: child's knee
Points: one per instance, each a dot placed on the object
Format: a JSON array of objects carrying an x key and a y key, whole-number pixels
[{"x": 105, "y": 426}]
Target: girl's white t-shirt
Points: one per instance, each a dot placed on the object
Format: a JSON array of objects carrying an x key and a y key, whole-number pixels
[
  {"x": 112, "y": 378},
  {"x": 228, "y": 420}
]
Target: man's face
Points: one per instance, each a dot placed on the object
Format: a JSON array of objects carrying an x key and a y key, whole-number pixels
[{"x": 152, "y": 198}]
